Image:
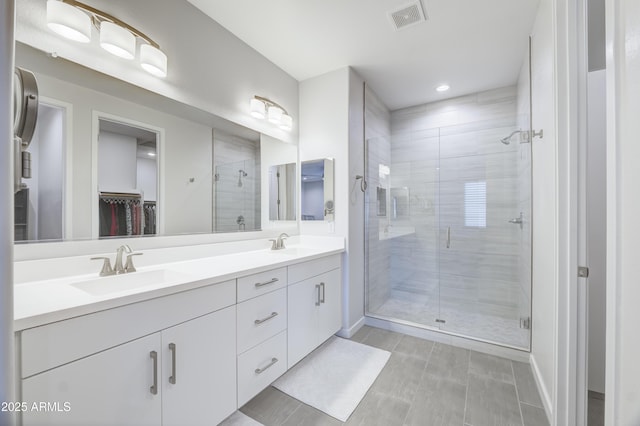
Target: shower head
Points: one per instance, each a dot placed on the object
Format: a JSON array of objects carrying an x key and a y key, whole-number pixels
[
  {"x": 507, "y": 140},
  {"x": 241, "y": 174}
]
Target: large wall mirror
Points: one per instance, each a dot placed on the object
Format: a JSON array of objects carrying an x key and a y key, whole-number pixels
[{"x": 115, "y": 160}]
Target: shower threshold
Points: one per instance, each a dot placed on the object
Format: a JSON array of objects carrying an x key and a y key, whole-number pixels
[{"x": 423, "y": 331}]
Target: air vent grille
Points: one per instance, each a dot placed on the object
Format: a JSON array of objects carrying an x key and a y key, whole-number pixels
[{"x": 407, "y": 16}]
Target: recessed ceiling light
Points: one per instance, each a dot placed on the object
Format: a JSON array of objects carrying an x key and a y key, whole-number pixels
[{"x": 442, "y": 88}]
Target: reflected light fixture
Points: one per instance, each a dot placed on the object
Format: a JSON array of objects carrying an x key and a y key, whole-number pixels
[
  {"x": 73, "y": 19},
  {"x": 442, "y": 88},
  {"x": 265, "y": 108}
]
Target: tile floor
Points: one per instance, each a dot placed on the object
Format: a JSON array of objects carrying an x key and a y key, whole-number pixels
[{"x": 424, "y": 383}]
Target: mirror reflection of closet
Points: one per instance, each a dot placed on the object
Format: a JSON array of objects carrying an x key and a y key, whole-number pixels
[
  {"x": 282, "y": 192},
  {"x": 317, "y": 190},
  {"x": 39, "y": 205},
  {"x": 127, "y": 179}
]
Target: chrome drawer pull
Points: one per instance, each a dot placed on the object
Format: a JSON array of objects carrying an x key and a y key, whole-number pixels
[
  {"x": 318, "y": 295},
  {"x": 172, "y": 378},
  {"x": 271, "y": 281},
  {"x": 262, "y": 370},
  {"x": 154, "y": 388},
  {"x": 322, "y": 286},
  {"x": 260, "y": 321}
]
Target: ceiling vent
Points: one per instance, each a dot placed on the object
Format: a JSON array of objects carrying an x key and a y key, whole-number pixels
[{"x": 408, "y": 15}]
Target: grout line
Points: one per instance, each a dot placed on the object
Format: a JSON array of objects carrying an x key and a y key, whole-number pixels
[
  {"x": 466, "y": 390},
  {"x": 515, "y": 384}
]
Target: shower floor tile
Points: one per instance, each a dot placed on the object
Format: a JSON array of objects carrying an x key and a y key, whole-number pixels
[{"x": 460, "y": 319}]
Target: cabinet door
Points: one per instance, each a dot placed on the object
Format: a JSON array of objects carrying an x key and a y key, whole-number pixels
[
  {"x": 109, "y": 388},
  {"x": 302, "y": 304},
  {"x": 199, "y": 370},
  {"x": 330, "y": 310}
]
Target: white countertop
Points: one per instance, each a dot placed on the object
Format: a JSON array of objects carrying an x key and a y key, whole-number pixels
[{"x": 40, "y": 302}]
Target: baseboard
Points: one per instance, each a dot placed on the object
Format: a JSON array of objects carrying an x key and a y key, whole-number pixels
[
  {"x": 542, "y": 388},
  {"x": 348, "y": 333}
]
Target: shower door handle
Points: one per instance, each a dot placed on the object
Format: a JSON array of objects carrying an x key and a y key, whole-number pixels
[{"x": 448, "y": 237}]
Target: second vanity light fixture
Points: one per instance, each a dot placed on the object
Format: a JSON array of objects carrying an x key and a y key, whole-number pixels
[
  {"x": 265, "y": 108},
  {"x": 73, "y": 20}
]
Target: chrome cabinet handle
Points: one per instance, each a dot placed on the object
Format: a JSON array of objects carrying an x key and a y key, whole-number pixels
[
  {"x": 268, "y": 366},
  {"x": 448, "y": 237},
  {"x": 260, "y": 321},
  {"x": 271, "y": 281},
  {"x": 172, "y": 378},
  {"x": 318, "y": 298},
  {"x": 154, "y": 388},
  {"x": 322, "y": 286}
]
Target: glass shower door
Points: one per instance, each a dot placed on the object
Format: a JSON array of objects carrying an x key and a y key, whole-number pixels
[
  {"x": 235, "y": 206},
  {"x": 481, "y": 227},
  {"x": 402, "y": 237}
]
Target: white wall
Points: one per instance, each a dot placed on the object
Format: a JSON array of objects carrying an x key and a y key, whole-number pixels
[
  {"x": 209, "y": 68},
  {"x": 596, "y": 228},
  {"x": 623, "y": 210},
  {"x": 326, "y": 120},
  {"x": 117, "y": 162},
  {"x": 50, "y": 173},
  {"x": 147, "y": 178},
  {"x": 7, "y": 370},
  {"x": 544, "y": 206}
]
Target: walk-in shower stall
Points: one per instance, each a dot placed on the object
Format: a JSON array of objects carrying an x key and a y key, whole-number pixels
[{"x": 448, "y": 201}]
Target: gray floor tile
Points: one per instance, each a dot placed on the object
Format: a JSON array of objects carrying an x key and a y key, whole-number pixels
[
  {"x": 377, "y": 409},
  {"x": 448, "y": 362},
  {"x": 527, "y": 389},
  {"x": 382, "y": 339},
  {"x": 271, "y": 407},
  {"x": 361, "y": 334},
  {"x": 490, "y": 366},
  {"x": 401, "y": 376},
  {"x": 491, "y": 403},
  {"x": 534, "y": 416},
  {"x": 306, "y": 415},
  {"x": 596, "y": 412},
  {"x": 439, "y": 402},
  {"x": 414, "y": 346}
]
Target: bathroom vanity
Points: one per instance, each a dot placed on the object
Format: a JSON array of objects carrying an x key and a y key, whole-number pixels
[{"x": 186, "y": 342}]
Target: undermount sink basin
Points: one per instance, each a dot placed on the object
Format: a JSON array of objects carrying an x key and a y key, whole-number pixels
[
  {"x": 296, "y": 251},
  {"x": 124, "y": 282}
]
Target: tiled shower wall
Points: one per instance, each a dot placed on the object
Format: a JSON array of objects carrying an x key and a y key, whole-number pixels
[
  {"x": 436, "y": 151},
  {"x": 231, "y": 154}
]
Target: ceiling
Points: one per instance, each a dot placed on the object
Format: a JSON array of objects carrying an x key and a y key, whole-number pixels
[{"x": 471, "y": 45}]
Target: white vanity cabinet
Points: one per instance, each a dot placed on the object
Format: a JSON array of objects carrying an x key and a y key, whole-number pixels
[
  {"x": 314, "y": 305},
  {"x": 108, "y": 388},
  {"x": 182, "y": 374}
]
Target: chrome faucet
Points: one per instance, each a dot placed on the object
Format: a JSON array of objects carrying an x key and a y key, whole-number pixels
[
  {"x": 117, "y": 267},
  {"x": 278, "y": 243}
]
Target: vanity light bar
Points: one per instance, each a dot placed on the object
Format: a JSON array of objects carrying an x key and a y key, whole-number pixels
[
  {"x": 262, "y": 108},
  {"x": 72, "y": 19}
]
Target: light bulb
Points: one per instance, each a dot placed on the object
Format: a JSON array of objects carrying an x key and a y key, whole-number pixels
[
  {"x": 257, "y": 108},
  {"x": 68, "y": 21},
  {"x": 153, "y": 60},
  {"x": 117, "y": 40}
]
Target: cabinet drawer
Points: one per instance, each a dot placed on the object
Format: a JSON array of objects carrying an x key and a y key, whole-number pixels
[
  {"x": 305, "y": 270},
  {"x": 260, "y": 366},
  {"x": 261, "y": 318},
  {"x": 264, "y": 282}
]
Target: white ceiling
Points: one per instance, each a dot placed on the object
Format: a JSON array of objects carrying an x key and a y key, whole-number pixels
[{"x": 472, "y": 45}]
